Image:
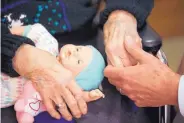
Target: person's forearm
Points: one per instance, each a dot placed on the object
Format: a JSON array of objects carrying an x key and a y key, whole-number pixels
[
  {"x": 22, "y": 58},
  {"x": 181, "y": 95}
]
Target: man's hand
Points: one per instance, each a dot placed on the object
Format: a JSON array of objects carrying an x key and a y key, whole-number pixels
[
  {"x": 121, "y": 26},
  {"x": 150, "y": 83}
]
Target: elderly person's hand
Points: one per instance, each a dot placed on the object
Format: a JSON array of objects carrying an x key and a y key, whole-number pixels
[
  {"x": 50, "y": 78},
  {"x": 150, "y": 83},
  {"x": 121, "y": 26}
]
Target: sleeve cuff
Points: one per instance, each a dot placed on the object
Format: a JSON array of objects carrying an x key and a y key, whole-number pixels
[
  {"x": 137, "y": 11},
  {"x": 4, "y": 29},
  {"x": 9, "y": 45},
  {"x": 181, "y": 95},
  {"x": 26, "y": 30}
]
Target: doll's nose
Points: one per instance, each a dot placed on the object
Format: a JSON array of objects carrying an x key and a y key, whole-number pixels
[{"x": 69, "y": 53}]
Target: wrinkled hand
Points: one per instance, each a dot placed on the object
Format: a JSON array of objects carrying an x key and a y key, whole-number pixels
[
  {"x": 51, "y": 80},
  {"x": 150, "y": 83},
  {"x": 120, "y": 26}
]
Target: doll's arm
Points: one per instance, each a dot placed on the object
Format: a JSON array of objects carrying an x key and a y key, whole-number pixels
[
  {"x": 42, "y": 38},
  {"x": 93, "y": 95},
  {"x": 88, "y": 96}
]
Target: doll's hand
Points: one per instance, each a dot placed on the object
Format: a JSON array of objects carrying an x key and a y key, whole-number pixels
[
  {"x": 93, "y": 95},
  {"x": 88, "y": 96}
]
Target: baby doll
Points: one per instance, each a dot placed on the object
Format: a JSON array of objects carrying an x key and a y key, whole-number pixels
[{"x": 80, "y": 60}]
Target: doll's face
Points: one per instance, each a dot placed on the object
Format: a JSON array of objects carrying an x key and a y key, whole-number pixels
[{"x": 75, "y": 58}]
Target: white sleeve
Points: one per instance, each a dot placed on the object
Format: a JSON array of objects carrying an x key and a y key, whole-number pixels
[
  {"x": 181, "y": 95},
  {"x": 43, "y": 39}
]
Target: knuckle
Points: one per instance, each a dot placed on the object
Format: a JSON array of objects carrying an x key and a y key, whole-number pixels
[
  {"x": 84, "y": 106},
  {"x": 120, "y": 76},
  {"x": 63, "y": 107},
  {"x": 132, "y": 97},
  {"x": 78, "y": 96},
  {"x": 73, "y": 103}
]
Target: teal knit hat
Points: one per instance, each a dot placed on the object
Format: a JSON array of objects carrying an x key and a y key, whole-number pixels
[{"x": 91, "y": 77}]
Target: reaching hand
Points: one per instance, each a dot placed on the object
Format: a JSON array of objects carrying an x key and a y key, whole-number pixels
[{"x": 150, "y": 83}]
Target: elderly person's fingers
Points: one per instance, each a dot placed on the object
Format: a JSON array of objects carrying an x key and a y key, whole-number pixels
[
  {"x": 51, "y": 108},
  {"x": 114, "y": 73},
  {"x": 118, "y": 28},
  {"x": 113, "y": 43},
  {"x": 62, "y": 107},
  {"x": 46, "y": 74},
  {"x": 71, "y": 102},
  {"x": 114, "y": 59},
  {"x": 78, "y": 94}
]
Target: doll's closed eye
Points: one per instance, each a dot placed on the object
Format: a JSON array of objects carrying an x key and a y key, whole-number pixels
[
  {"x": 78, "y": 49},
  {"x": 79, "y": 61}
]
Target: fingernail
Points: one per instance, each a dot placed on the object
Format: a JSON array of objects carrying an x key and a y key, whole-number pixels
[
  {"x": 85, "y": 111},
  {"x": 78, "y": 116},
  {"x": 58, "y": 117},
  {"x": 69, "y": 119}
]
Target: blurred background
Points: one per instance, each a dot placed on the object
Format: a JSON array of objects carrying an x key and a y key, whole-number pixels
[{"x": 167, "y": 18}]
